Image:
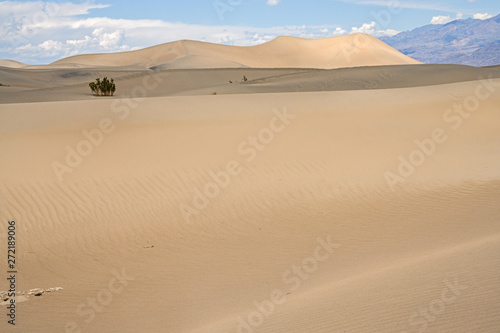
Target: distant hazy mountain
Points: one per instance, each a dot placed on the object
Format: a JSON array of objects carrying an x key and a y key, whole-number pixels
[{"x": 468, "y": 42}]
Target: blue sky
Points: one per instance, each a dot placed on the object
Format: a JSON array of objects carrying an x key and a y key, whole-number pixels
[{"x": 43, "y": 31}]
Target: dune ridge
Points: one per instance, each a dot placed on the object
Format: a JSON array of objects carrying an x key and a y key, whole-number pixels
[
  {"x": 11, "y": 63},
  {"x": 283, "y": 52}
]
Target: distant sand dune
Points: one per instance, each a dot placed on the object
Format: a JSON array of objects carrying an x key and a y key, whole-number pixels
[
  {"x": 283, "y": 52},
  {"x": 11, "y": 63}
]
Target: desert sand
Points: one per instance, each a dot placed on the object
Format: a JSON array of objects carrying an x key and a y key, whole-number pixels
[{"x": 324, "y": 194}]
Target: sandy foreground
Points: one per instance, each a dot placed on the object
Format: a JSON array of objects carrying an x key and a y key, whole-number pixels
[{"x": 361, "y": 199}]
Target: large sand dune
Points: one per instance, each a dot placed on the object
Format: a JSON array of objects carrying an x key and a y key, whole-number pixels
[
  {"x": 333, "y": 201},
  {"x": 282, "y": 52}
]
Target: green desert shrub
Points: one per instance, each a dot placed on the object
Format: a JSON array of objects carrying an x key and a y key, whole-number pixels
[{"x": 103, "y": 87}]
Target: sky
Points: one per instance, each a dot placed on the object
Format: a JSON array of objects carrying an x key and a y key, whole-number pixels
[{"x": 40, "y": 32}]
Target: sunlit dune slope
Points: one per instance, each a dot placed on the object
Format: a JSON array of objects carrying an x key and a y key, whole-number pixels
[{"x": 283, "y": 52}]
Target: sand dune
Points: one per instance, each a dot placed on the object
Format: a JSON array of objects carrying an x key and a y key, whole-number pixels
[
  {"x": 198, "y": 61},
  {"x": 319, "y": 175},
  {"x": 308, "y": 198},
  {"x": 44, "y": 85},
  {"x": 283, "y": 52},
  {"x": 40, "y": 78},
  {"x": 11, "y": 63}
]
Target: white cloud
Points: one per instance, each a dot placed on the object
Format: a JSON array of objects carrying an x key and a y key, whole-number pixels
[
  {"x": 98, "y": 41},
  {"x": 36, "y": 10},
  {"x": 339, "y": 31},
  {"x": 446, "y": 19},
  {"x": 273, "y": 2},
  {"x": 370, "y": 28},
  {"x": 109, "y": 41},
  {"x": 482, "y": 16},
  {"x": 367, "y": 28},
  {"x": 419, "y": 4},
  {"x": 441, "y": 19}
]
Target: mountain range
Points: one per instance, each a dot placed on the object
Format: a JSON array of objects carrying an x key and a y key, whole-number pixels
[{"x": 467, "y": 42}]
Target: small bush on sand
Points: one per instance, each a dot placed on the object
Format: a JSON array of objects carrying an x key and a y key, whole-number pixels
[{"x": 103, "y": 87}]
